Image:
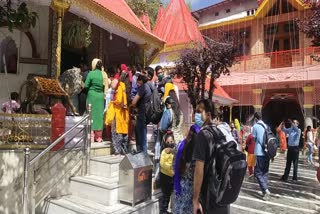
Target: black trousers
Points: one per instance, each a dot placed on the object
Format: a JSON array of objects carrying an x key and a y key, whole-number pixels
[
  {"x": 166, "y": 184},
  {"x": 292, "y": 157}
]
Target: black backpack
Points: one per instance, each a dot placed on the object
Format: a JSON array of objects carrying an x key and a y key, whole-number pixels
[
  {"x": 225, "y": 172},
  {"x": 154, "y": 108},
  {"x": 270, "y": 145}
]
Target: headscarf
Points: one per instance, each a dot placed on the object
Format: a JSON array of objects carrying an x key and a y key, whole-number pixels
[
  {"x": 105, "y": 78},
  {"x": 94, "y": 63},
  {"x": 177, "y": 186},
  {"x": 124, "y": 68},
  {"x": 167, "y": 88}
]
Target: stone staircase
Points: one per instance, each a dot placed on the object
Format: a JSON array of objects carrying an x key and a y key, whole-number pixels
[{"x": 98, "y": 192}]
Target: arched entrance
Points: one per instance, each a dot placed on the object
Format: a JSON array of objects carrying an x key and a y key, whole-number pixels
[{"x": 278, "y": 107}]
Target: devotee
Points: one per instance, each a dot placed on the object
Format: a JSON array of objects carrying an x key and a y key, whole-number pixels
[
  {"x": 11, "y": 106},
  {"x": 166, "y": 171},
  {"x": 184, "y": 169},
  {"x": 293, "y": 149},
  {"x": 310, "y": 144},
  {"x": 282, "y": 139},
  {"x": 172, "y": 117},
  {"x": 142, "y": 97},
  {"x": 120, "y": 127},
  {"x": 95, "y": 88}
]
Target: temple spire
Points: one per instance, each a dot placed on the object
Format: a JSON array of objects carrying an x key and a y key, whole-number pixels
[{"x": 177, "y": 29}]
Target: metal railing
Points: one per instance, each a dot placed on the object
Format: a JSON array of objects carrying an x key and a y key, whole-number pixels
[
  {"x": 85, "y": 147},
  {"x": 277, "y": 59}
]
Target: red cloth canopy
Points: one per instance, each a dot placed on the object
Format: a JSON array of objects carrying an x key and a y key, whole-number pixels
[{"x": 176, "y": 25}]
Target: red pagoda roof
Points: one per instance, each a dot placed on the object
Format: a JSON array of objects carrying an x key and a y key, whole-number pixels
[
  {"x": 220, "y": 96},
  {"x": 160, "y": 13},
  {"x": 146, "y": 21},
  {"x": 121, "y": 9},
  {"x": 176, "y": 25}
]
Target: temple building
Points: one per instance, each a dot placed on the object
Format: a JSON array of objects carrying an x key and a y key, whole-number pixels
[
  {"x": 180, "y": 33},
  {"x": 275, "y": 72},
  {"x": 116, "y": 36}
]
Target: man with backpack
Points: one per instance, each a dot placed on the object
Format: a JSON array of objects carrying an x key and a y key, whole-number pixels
[
  {"x": 219, "y": 166},
  {"x": 262, "y": 159},
  {"x": 293, "y": 149},
  {"x": 141, "y": 100}
]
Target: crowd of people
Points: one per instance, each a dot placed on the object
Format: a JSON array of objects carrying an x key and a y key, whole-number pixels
[{"x": 122, "y": 99}]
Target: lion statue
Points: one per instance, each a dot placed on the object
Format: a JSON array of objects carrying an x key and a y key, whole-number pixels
[{"x": 69, "y": 84}]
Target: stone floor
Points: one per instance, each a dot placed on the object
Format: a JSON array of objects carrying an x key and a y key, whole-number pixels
[{"x": 286, "y": 197}]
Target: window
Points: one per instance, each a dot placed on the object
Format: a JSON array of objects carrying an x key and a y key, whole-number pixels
[
  {"x": 272, "y": 30},
  {"x": 271, "y": 47},
  {"x": 252, "y": 12},
  {"x": 216, "y": 14},
  {"x": 228, "y": 10},
  {"x": 248, "y": 13},
  {"x": 290, "y": 27},
  {"x": 9, "y": 52}
]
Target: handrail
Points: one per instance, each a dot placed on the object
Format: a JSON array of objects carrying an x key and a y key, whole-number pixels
[
  {"x": 86, "y": 138},
  {"x": 41, "y": 154}
]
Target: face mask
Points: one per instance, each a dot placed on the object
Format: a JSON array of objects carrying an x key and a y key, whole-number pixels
[
  {"x": 160, "y": 77},
  {"x": 198, "y": 120}
]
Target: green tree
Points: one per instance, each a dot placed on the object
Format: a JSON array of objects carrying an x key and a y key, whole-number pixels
[
  {"x": 193, "y": 66},
  {"x": 311, "y": 26},
  {"x": 139, "y": 7}
]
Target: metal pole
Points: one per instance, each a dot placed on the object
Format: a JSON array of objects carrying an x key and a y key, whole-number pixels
[
  {"x": 25, "y": 180},
  {"x": 88, "y": 144},
  {"x": 84, "y": 150}
]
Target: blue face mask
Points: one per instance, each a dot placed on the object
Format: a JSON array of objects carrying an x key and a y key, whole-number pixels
[{"x": 198, "y": 120}]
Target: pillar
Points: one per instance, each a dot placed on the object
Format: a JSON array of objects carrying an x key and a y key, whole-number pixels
[
  {"x": 257, "y": 99},
  {"x": 308, "y": 101},
  {"x": 60, "y": 7}
]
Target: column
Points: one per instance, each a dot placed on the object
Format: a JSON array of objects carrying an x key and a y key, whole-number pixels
[
  {"x": 308, "y": 100},
  {"x": 257, "y": 99}
]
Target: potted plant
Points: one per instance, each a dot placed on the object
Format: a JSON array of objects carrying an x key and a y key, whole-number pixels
[
  {"x": 77, "y": 34},
  {"x": 19, "y": 17}
]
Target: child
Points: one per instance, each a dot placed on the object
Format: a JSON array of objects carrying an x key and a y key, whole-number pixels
[
  {"x": 250, "y": 144},
  {"x": 11, "y": 106},
  {"x": 166, "y": 172}
]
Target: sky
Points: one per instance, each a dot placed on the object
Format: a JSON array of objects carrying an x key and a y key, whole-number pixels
[{"x": 198, "y": 4}]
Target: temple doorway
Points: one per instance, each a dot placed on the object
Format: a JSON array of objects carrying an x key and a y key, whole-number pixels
[{"x": 278, "y": 107}]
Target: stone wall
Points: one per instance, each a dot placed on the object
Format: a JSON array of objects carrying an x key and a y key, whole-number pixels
[
  {"x": 51, "y": 173},
  {"x": 12, "y": 82}
]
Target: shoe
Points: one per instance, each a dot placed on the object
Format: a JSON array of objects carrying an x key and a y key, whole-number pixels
[
  {"x": 283, "y": 179},
  {"x": 294, "y": 180},
  {"x": 266, "y": 196}
]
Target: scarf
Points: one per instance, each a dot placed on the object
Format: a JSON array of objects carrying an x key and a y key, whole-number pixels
[{"x": 177, "y": 177}]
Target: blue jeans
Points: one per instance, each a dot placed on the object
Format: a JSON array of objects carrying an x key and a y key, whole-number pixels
[
  {"x": 261, "y": 172},
  {"x": 310, "y": 152},
  {"x": 141, "y": 136}
]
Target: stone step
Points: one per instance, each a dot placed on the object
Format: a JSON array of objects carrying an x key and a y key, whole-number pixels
[
  {"x": 75, "y": 205},
  {"x": 99, "y": 189},
  {"x": 100, "y": 149},
  {"x": 105, "y": 166}
]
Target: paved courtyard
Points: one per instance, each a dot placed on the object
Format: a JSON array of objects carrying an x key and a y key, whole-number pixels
[{"x": 287, "y": 197}]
